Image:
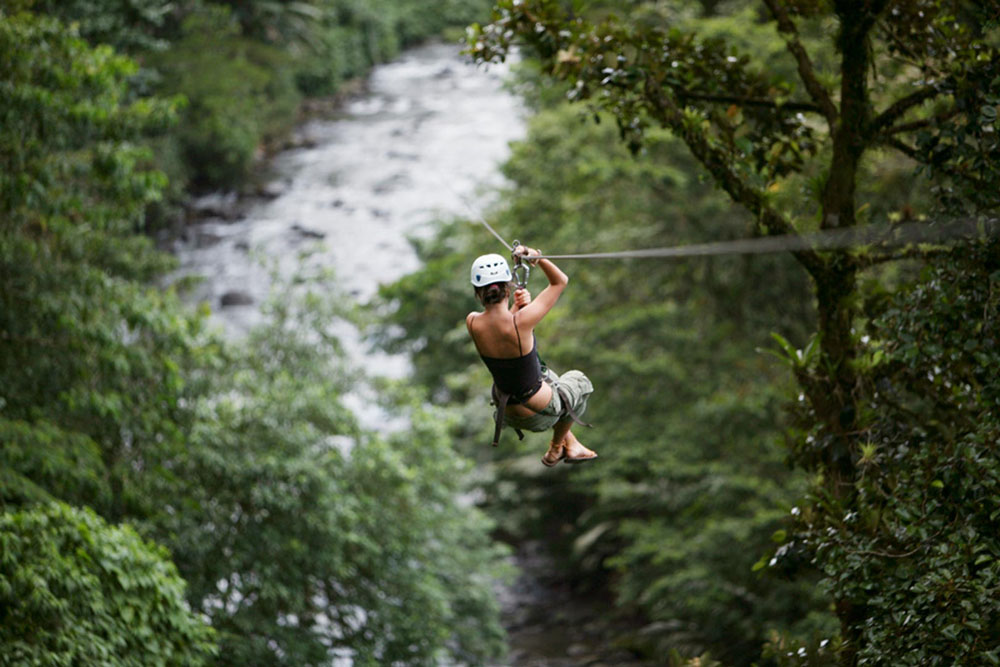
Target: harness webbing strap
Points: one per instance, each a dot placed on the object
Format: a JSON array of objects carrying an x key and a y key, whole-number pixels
[
  {"x": 500, "y": 399},
  {"x": 568, "y": 409}
]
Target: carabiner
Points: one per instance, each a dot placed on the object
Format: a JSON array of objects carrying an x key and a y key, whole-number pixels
[{"x": 522, "y": 279}]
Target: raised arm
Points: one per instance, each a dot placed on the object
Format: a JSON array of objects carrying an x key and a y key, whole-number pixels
[{"x": 532, "y": 314}]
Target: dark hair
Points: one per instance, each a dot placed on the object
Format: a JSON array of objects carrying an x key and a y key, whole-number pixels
[{"x": 492, "y": 293}]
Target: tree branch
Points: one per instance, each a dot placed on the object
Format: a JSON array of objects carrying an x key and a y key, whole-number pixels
[
  {"x": 806, "y": 70},
  {"x": 905, "y": 149},
  {"x": 914, "y": 59},
  {"x": 908, "y": 151},
  {"x": 920, "y": 124},
  {"x": 770, "y": 222},
  {"x": 874, "y": 259},
  {"x": 747, "y": 101},
  {"x": 899, "y": 108},
  {"x": 914, "y": 154}
]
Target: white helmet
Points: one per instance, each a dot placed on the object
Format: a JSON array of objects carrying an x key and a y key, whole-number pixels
[{"x": 488, "y": 269}]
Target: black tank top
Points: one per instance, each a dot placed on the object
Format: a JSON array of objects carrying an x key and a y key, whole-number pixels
[{"x": 521, "y": 377}]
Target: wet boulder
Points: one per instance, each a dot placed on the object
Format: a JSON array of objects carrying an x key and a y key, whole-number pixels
[{"x": 236, "y": 298}]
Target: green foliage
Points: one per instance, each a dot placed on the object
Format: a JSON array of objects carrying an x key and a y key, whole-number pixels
[
  {"x": 353, "y": 35},
  {"x": 240, "y": 459},
  {"x": 240, "y": 93},
  {"x": 300, "y": 535},
  {"x": 126, "y": 25},
  {"x": 287, "y": 21},
  {"x": 41, "y": 461},
  {"x": 808, "y": 136},
  {"x": 243, "y": 66},
  {"x": 658, "y": 65},
  {"x": 74, "y": 591},
  {"x": 82, "y": 340},
  {"x": 418, "y": 21},
  {"x": 918, "y": 552},
  {"x": 63, "y": 96}
]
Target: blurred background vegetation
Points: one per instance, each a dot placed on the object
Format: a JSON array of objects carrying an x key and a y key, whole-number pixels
[
  {"x": 240, "y": 69},
  {"x": 169, "y": 497}
]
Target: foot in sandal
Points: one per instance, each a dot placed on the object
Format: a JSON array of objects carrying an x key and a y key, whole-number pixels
[
  {"x": 556, "y": 453},
  {"x": 575, "y": 452}
]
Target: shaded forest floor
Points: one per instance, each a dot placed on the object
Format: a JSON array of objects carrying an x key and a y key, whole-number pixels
[{"x": 551, "y": 624}]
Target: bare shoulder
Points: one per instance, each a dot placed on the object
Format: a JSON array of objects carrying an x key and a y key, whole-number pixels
[{"x": 468, "y": 319}]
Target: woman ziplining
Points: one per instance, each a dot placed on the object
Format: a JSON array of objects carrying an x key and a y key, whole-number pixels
[
  {"x": 527, "y": 395},
  {"x": 531, "y": 397}
]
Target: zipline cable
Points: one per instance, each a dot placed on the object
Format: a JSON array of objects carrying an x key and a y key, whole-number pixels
[
  {"x": 475, "y": 214},
  {"x": 884, "y": 235},
  {"x": 832, "y": 239},
  {"x": 493, "y": 231}
]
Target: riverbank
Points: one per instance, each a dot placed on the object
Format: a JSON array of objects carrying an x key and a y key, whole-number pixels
[{"x": 550, "y": 623}]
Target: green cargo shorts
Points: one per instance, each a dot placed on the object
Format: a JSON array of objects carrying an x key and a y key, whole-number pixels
[{"x": 577, "y": 388}]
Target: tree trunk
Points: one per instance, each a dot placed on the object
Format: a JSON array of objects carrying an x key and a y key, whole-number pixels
[{"x": 835, "y": 286}]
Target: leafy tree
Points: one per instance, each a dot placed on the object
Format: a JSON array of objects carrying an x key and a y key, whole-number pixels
[
  {"x": 74, "y": 590},
  {"x": 89, "y": 381},
  {"x": 240, "y": 94},
  {"x": 300, "y": 535},
  {"x": 919, "y": 545},
  {"x": 917, "y": 80},
  {"x": 275, "y": 21},
  {"x": 86, "y": 384},
  {"x": 114, "y": 397},
  {"x": 353, "y": 35},
  {"x": 127, "y": 25}
]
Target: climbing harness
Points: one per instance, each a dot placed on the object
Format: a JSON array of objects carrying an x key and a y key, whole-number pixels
[{"x": 500, "y": 399}]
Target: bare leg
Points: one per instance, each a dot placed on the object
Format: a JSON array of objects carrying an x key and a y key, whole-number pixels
[{"x": 560, "y": 430}]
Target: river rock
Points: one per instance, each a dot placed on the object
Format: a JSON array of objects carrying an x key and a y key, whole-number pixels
[
  {"x": 236, "y": 298},
  {"x": 298, "y": 140},
  {"x": 272, "y": 190},
  {"x": 409, "y": 157},
  {"x": 390, "y": 184},
  {"x": 308, "y": 233},
  {"x": 224, "y": 205},
  {"x": 203, "y": 239}
]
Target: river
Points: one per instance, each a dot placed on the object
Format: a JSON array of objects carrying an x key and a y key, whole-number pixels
[{"x": 421, "y": 144}]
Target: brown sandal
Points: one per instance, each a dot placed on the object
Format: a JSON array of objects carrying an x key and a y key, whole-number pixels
[{"x": 548, "y": 461}]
